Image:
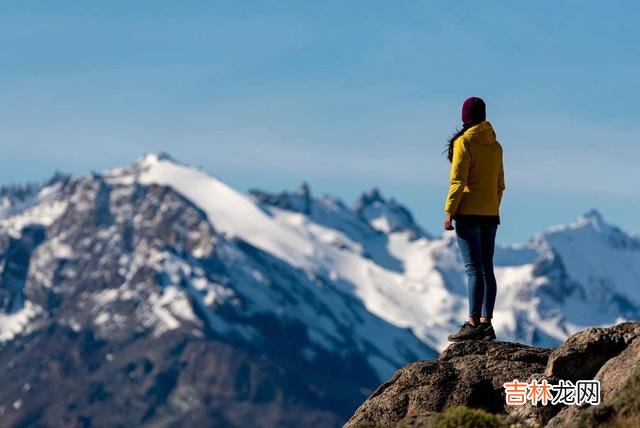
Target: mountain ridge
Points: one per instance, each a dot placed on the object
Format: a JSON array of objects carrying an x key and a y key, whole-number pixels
[{"x": 159, "y": 249}]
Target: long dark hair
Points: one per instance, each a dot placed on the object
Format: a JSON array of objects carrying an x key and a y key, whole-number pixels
[{"x": 450, "y": 141}]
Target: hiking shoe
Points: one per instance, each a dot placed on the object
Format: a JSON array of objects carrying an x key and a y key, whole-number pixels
[
  {"x": 488, "y": 332},
  {"x": 467, "y": 332}
]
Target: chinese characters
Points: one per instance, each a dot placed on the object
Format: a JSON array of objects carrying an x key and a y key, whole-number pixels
[{"x": 565, "y": 392}]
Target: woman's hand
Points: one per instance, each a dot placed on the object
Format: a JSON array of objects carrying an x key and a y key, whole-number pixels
[{"x": 447, "y": 222}]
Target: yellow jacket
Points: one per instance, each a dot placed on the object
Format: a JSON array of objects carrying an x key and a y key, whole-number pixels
[{"x": 476, "y": 181}]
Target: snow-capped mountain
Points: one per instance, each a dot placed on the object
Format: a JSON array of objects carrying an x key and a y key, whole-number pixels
[{"x": 221, "y": 304}]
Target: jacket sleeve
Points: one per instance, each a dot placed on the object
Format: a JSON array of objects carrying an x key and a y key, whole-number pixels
[
  {"x": 458, "y": 176},
  {"x": 500, "y": 180}
]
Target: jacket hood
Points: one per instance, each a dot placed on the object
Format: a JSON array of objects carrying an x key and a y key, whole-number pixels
[{"x": 483, "y": 133}]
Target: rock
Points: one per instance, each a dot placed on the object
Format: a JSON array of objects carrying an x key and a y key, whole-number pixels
[
  {"x": 472, "y": 373},
  {"x": 614, "y": 374},
  {"x": 616, "y": 378},
  {"x": 585, "y": 352},
  {"x": 534, "y": 414},
  {"x": 467, "y": 373}
]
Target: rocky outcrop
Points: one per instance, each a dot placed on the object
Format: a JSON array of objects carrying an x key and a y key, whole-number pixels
[
  {"x": 619, "y": 378},
  {"x": 472, "y": 374}
]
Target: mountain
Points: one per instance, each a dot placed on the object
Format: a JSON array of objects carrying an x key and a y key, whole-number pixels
[{"x": 157, "y": 294}]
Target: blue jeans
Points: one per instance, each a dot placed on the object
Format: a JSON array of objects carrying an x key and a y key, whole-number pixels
[{"x": 477, "y": 243}]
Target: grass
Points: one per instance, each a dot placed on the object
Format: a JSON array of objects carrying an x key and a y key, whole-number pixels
[
  {"x": 464, "y": 417},
  {"x": 456, "y": 417}
]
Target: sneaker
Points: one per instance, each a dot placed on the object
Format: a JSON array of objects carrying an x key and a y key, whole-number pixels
[
  {"x": 467, "y": 332},
  {"x": 489, "y": 332}
]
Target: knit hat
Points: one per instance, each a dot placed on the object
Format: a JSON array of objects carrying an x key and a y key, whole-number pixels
[{"x": 473, "y": 111}]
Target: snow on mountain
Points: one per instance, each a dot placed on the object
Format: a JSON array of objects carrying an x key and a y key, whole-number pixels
[
  {"x": 302, "y": 297},
  {"x": 35, "y": 206},
  {"x": 411, "y": 280},
  {"x": 386, "y": 216},
  {"x": 336, "y": 258},
  {"x": 600, "y": 257},
  {"x": 293, "y": 238},
  {"x": 242, "y": 263},
  {"x": 360, "y": 266}
]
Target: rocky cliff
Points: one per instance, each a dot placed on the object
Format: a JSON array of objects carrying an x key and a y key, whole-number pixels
[{"x": 472, "y": 374}]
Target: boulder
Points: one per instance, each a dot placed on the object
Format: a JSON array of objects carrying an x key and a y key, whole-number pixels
[
  {"x": 618, "y": 383},
  {"x": 585, "y": 352},
  {"x": 472, "y": 374},
  {"x": 469, "y": 373}
]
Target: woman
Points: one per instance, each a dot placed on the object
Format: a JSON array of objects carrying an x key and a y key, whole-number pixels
[{"x": 473, "y": 201}]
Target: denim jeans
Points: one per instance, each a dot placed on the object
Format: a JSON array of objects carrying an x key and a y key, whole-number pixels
[{"x": 477, "y": 242}]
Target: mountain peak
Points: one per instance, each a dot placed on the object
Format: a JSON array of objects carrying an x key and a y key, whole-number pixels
[
  {"x": 592, "y": 216},
  {"x": 299, "y": 201},
  {"x": 591, "y": 219},
  {"x": 155, "y": 157},
  {"x": 369, "y": 197},
  {"x": 304, "y": 190},
  {"x": 387, "y": 216}
]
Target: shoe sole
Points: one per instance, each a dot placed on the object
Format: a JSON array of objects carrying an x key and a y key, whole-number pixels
[
  {"x": 484, "y": 339},
  {"x": 465, "y": 339}
]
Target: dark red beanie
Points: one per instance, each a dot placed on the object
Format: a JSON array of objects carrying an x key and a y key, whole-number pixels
[{"x": 474, "y": 111}]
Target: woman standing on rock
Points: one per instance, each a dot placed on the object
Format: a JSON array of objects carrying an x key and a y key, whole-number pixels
[{"x": 475, "y": 190}]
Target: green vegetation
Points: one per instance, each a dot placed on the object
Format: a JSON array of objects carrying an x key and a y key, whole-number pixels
[
  {"x": 464, "y": 417},
  {"x": 455, "y": 417}
]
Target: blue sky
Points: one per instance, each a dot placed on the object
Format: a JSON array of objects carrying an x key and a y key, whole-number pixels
[{"x": 344, "y": 94}]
